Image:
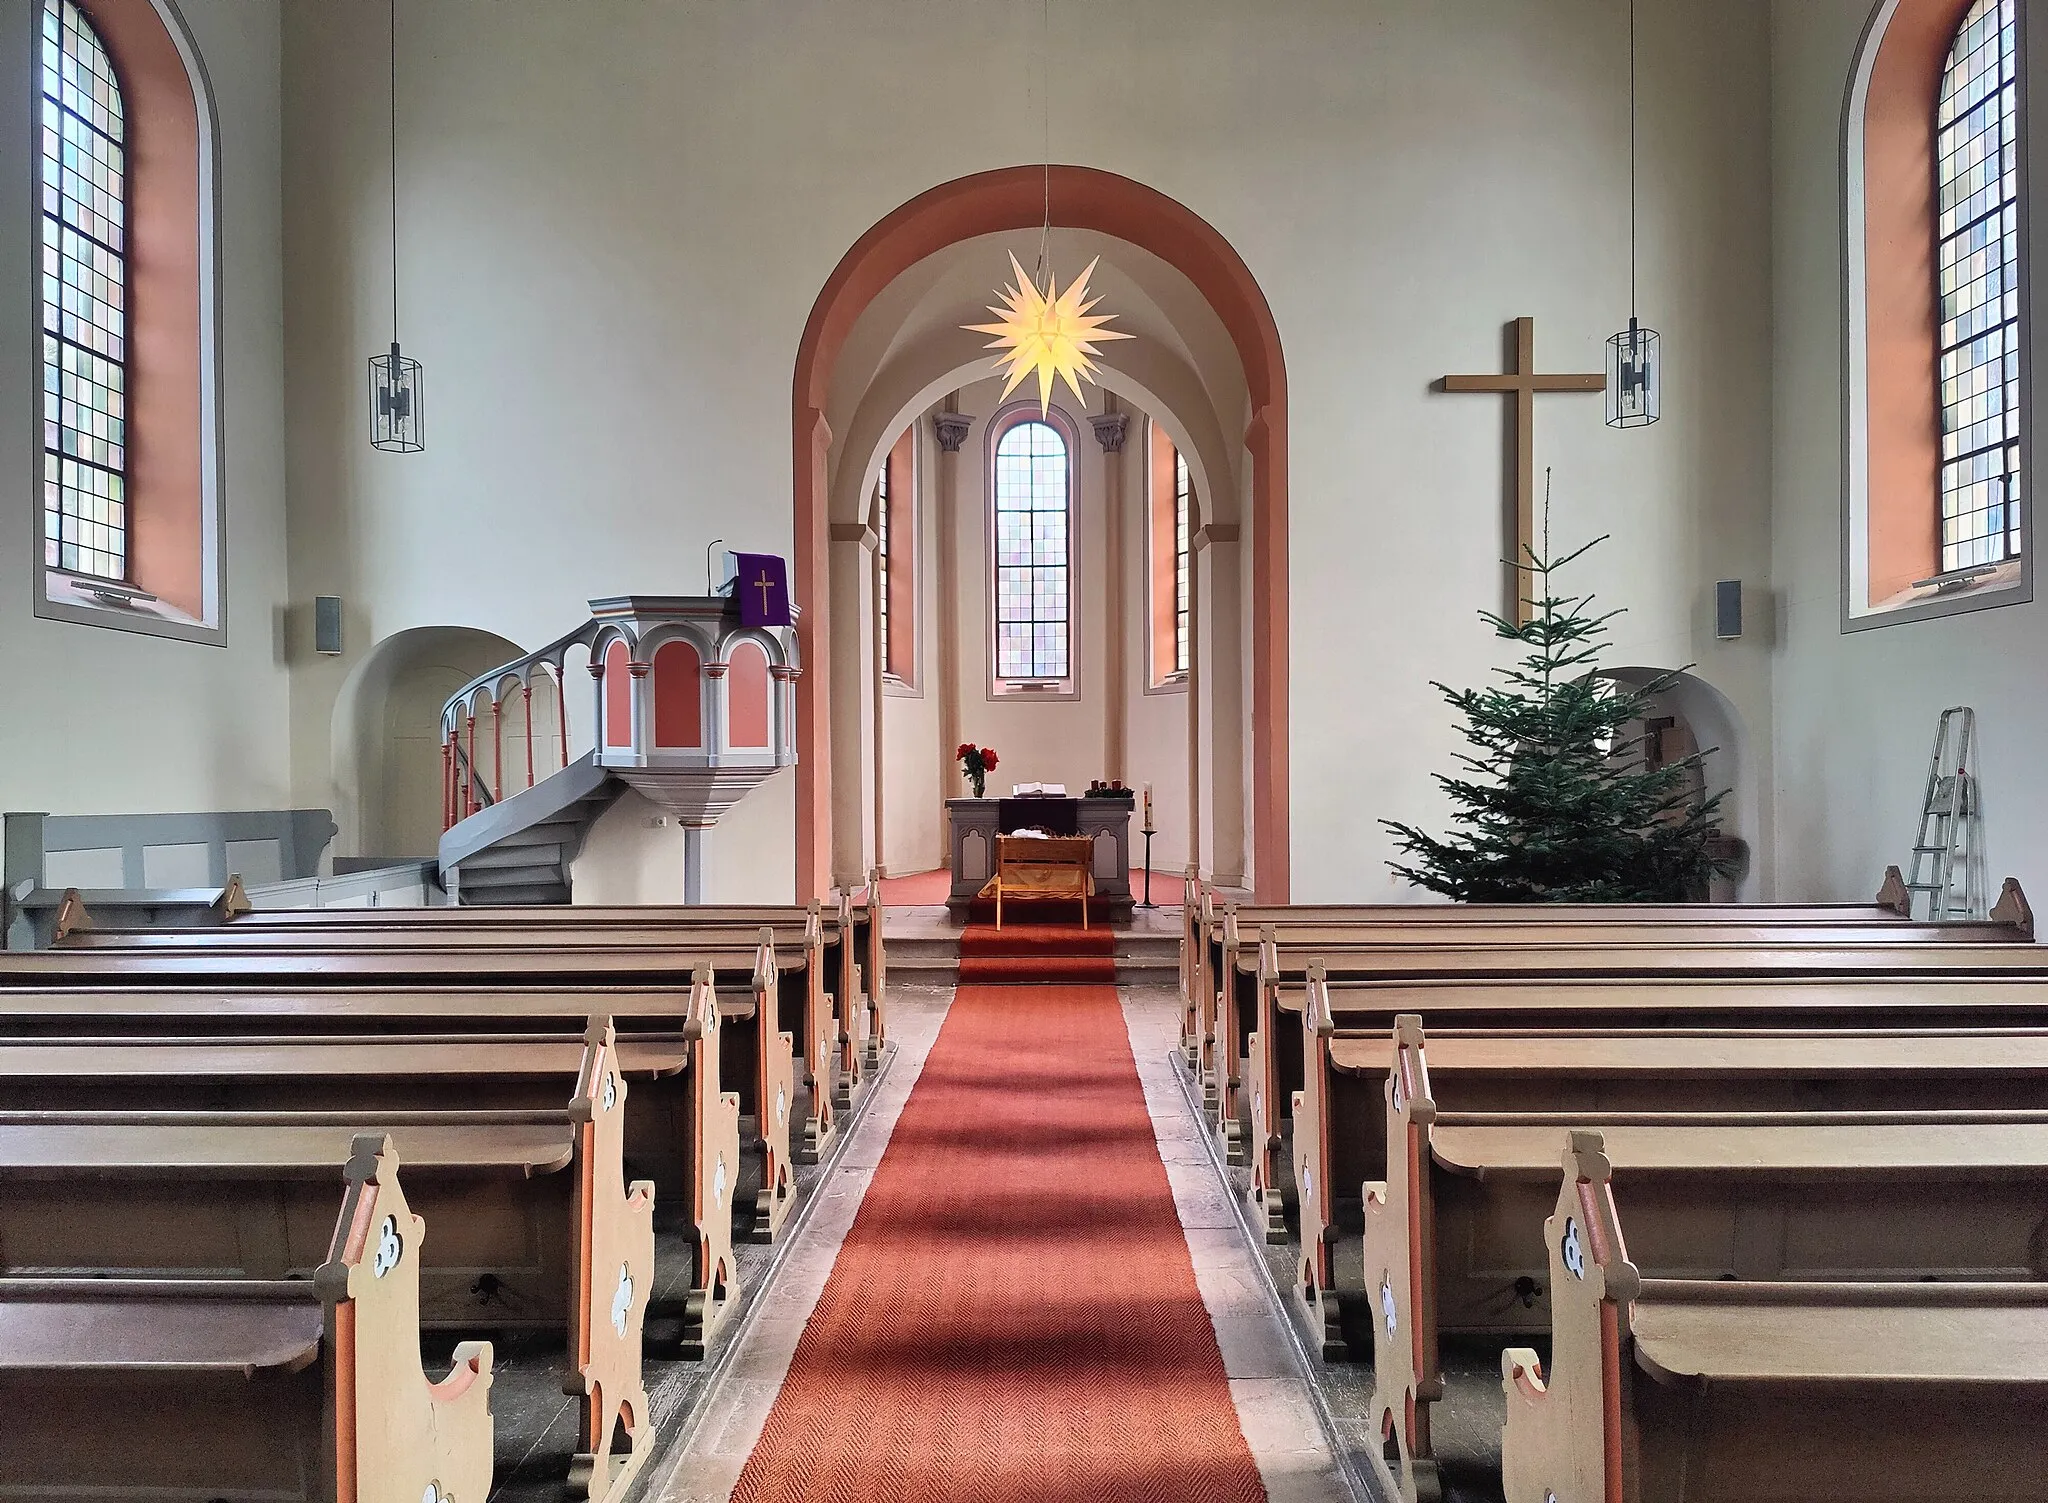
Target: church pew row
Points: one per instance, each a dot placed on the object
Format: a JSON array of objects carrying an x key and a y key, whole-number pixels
[
  {"x": 307, "y": 1389},
  {"x": 1536, "y": 968},
  {"x": 1739, "y": 1191},
  {"x": 860, "y": 968},
  {"x": 640, "y": 987},
  {"x": 826, "y": 984},
  {"x": 1870, "y": 1046},
  {"x": 436, "y": 1025},
  {"x": 1251, "y": 967},
  {"x": 854, "y": 969},
  {"x": 535, "y": 1222},
  {"x": 1205, "y": 915},
  {"x": 1667, "y": 1389}
]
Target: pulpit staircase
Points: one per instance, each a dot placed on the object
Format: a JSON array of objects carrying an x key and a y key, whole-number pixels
[{"x": 691, "y": 708}]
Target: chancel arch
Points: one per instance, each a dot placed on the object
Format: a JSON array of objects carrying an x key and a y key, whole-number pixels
[{"x": 996, "y": 203}]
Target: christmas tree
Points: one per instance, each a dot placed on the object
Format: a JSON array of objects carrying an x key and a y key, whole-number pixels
[{"x": 1562, "y": 804}]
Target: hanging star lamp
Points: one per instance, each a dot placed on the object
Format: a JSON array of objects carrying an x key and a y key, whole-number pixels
[
  {"x": 1633, "y": 357},
  {"x": 395, "y": 417},
  {"x": 1049, "y": 334}
]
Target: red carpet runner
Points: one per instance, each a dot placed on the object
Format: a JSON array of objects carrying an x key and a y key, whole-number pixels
[
  {"x": 1037, "y": 953},
  {"x": 1013, "y": 1315}
]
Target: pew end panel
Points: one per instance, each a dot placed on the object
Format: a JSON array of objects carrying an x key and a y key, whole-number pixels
[
  {"x": 1317, "y": 1191},
  {"x": 2013, "y": 908},
  {"x": 875, "y": 950},
  {"x": 715, "y": 1176},
  {"x": 1399, "y": 1257},
  {"x": 613, "y": 1227},
  {"x": 397, "y": 1437},
  {"x": 850, "y": 1008},
  {"x": 1565, "y": 1434}
]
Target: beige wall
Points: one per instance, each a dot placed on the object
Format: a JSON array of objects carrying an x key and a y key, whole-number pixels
[
  {"x": 1855, "y": 712},
  {"x": 616, "y": 217},
  {"x": 104, "y": 721}
]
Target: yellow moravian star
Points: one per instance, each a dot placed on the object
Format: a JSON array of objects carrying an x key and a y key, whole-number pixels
[{"x": 1051, "y": 334}]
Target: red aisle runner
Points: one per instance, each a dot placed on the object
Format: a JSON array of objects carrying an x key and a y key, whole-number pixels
[{"x": 1013, "y": 1315}]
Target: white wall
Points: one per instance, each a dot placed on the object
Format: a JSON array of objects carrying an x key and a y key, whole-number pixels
[
  {"x": 1855, "y": 712},
  {"x": 617, "y": 216},
  {"x": 104, "y": 721},
  {"x": 916, "y": 777}
]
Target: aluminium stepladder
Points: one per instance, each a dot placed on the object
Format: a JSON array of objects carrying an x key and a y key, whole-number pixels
[{"x": 1950, "y": 838}]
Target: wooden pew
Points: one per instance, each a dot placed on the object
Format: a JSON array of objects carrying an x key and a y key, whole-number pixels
[
  {"x": 654, "y": 1024},
  {"x": 208, "y": 1388},
  {"x": 1741, "y": 1190},
  {"x": 858, "y": 967},
  {"x": 1661, "y": 1390},
  {"x": 534, "y": 1217},
  {"x": 1275, "y": 1072},
  {"x": 1731, "y": 1192},
  {"x": 1203, "y": 911},
  {"x": 590, "y": 974},
  {"x": 825, "y": 1023},
  {"x": 1663, "y": 1034}
]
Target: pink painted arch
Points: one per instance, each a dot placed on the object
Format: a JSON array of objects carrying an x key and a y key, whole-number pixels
[{"x": 987, "y": 203}]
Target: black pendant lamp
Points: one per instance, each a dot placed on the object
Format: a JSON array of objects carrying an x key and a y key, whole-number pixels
[
  {"x": 395, "y": 417},
  {"x": 1633, "y": 357}
]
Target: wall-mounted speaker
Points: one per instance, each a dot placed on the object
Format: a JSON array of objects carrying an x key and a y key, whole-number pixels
[
  {"x": 1728, "y": 609},
  {"x": 327, "y": 625}
]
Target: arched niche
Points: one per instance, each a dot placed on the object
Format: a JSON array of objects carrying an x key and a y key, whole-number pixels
[
  {"x": 1708, "y": 721},
  {"x": 678, "y": 695},
  {"x": 386, "y": 735}
]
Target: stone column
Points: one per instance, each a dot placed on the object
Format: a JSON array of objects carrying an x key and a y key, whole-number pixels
[
  {"x": 1110, "y": 430},
  {"x": 950, "y": 428}
]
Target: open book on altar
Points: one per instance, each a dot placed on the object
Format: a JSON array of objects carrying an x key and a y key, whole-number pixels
[{"x": 1038, "y": 790}]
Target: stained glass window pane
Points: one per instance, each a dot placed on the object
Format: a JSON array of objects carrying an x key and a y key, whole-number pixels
[
  {"x": 1032, "y": 502},
  {"x": 1977, "y": 208},
  {"x": 84, "y": 294},
  {"x": 882, "y": 556}
]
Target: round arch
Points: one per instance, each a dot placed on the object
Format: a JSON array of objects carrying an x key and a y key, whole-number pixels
[{"x": 1013, "y": 198}]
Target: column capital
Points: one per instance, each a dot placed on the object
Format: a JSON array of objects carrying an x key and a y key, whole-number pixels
[
  {"x": 1110, "y": 430},
  {"x": 950, "y": 428}
]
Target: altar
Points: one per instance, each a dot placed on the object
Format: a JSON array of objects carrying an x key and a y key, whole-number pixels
[{"x": 972, "y": 825}]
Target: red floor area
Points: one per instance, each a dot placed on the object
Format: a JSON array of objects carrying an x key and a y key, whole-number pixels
[
  {"x": 1036, "y": 953},
  {"x": 1013, "y": 1315}
]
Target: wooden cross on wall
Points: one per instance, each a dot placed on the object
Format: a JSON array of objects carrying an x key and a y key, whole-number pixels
[{"x": 1522, "y": 383}]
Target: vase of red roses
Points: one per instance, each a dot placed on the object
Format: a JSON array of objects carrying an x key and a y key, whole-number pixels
[{"x": 976, "y": 761}]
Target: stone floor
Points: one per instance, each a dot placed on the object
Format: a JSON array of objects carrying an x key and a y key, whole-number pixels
[{"x": 1276, "y": 1402}]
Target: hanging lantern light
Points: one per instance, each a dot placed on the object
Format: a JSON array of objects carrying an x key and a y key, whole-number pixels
[
  {"x": 395, "y": 413},
  {"x": 1633, "y": 359},
  {"x": 395, "y": 403},
  {"x": 1632, "y": 377}
]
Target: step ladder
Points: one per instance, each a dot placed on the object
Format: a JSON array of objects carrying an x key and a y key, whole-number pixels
[{"x": 1950, "y": 826}]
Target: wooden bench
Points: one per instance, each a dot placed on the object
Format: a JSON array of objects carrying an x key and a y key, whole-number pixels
[
  {"x": 204, "y": 1388},
  {"x": 1487, "y": 986},
  {"x": 1203, "y": 912},
  {"x": 856, "y": 959},
  {"x": 758, "y": 1053},
  {"x": 1741, "y": 1191},
  {"x": 532, "y": 1210},
  {"x": 1661, "y": 1390},
  {"x": 1339, "y": 1138}
]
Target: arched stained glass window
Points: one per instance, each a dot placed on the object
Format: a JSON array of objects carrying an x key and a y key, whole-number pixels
[
  {"x": 1032, "y": 510},
  {"x": 1977, "y": 179},
  {"x": 85, "y": 319}
]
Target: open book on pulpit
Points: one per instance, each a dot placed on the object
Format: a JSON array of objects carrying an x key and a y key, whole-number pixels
[{"x": 1038, "y": 790}]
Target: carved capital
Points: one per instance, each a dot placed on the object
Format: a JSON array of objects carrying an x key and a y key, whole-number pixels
[
  {"x": 716, "y": 670},
  {"x": 596, "y": 666},
  {"x": 1110, "y": 430},
  {"x": 638, "y": 670},
  {"x": 950, "y": 428}
]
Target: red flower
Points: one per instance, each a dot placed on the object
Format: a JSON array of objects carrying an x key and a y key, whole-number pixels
[
  {"x": 988, "y": 757},
  {"x": 965, "y": 749}
]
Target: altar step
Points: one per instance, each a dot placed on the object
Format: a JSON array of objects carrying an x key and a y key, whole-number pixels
[{"x": 932, "y": 958}]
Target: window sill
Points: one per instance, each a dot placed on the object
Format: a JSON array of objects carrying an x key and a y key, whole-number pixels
[
  {"x": 1034, "y": 691},
  {"x": 63, "y": 596},
  {"x": 901, "y": 688},
  {"x": 1173, "y": 683},
  {"x": 2010, "y": 583}
]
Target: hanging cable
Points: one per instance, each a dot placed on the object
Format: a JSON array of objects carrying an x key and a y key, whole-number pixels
[{"x": 394, "y": 172}]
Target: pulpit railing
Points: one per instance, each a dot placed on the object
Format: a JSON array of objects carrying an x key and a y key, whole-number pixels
[{"x": 498, "y": 707}]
